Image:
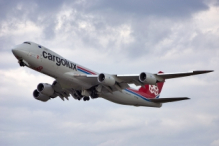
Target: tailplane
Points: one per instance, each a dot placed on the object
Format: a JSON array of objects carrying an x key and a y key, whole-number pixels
[
  {"x": 164, "y": 100},
  {"x": 152, "y": 92}
]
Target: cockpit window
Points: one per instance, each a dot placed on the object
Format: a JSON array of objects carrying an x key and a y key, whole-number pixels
[
  {"x": 27, "y": 43},
  {"x": 39, "y": 46}
]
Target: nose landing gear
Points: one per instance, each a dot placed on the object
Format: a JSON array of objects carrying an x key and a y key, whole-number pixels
[{"x": 21, "y": 63}]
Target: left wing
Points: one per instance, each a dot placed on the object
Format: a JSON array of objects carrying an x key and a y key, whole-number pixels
[{"x": 137, "y": 79}]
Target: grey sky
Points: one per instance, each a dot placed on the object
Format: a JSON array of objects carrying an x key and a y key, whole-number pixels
[{"x": 112, "y": 37}]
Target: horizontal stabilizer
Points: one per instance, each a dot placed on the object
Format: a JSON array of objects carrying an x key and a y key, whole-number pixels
[{"x": 164, "y": 100}]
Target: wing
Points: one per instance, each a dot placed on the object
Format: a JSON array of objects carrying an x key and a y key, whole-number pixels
[
  {"x": 140, "y": 79},
  {"x": 135, "y": 78},
  {"x": 64, "y": 93}
]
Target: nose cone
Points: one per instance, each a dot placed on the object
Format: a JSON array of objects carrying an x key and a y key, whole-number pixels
[{"x": 16, "y": 52}]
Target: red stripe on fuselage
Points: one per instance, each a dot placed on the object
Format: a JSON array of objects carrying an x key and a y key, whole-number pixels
[{"x": 86, "y": 70}]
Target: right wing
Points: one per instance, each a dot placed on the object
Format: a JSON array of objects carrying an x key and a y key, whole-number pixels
[{"x": 64, "y": 93}]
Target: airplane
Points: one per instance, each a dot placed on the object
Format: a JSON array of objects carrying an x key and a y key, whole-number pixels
[{"x": 82, "y": 83}]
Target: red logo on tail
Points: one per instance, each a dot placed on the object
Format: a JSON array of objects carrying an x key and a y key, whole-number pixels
[{"x": 153, "y": 89}]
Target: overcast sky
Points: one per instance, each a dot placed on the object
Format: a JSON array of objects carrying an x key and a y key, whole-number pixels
[{"x": 112, "y": 36}]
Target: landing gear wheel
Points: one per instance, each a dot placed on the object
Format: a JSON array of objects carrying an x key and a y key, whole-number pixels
[
  {"x": 94, "y": 94},
  {"x": 86, "y": 98},
  {"x": 21, "y": 63}
]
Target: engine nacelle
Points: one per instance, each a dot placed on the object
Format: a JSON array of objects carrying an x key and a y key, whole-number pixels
[
  {"x": 106, "y": 79},
  {"x": 39, "y": 96},
  {"x": 147, "y": 78},
  {"x": 45, "y": 89}
]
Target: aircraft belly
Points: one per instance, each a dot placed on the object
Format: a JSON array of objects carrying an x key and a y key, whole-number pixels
[
  {"x": 118, "y": 97},
  {"x": 128, "y": 99},
  {"x": 72, "y": 82}
]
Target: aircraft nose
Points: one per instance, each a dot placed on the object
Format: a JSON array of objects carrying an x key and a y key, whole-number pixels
[
  {"x": 17, "y": 52},
  {"x": 14, "y": 51}
]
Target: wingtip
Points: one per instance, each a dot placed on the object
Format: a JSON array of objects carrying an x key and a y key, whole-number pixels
[
  {"x": 185, "y": 98},
  {"x": 209, "y": 71},
  {"x": 203, "y": 71}
]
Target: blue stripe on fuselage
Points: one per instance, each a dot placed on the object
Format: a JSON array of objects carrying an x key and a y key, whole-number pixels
[
  {"x": 83, "y": 71},
  {"x": 137, "y": 95},
  {"x": 140, "y": 95}
]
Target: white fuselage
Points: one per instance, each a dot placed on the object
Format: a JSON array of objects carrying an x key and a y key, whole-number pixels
[{"x": 48, "y": 62}]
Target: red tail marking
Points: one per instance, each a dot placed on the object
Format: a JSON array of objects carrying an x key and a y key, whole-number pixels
[{"x": 152, "y": 91}]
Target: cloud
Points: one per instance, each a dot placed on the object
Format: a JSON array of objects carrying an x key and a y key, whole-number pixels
[
  {"x": 167, "y": 8},
  {"x": 215, "y": 142}
]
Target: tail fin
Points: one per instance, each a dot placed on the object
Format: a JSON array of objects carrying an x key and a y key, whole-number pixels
[{"x": 152, "y": 91}]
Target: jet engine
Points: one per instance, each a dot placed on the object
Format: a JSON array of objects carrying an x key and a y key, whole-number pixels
[
  {"x": 147, "y": 78},
  {"x": 106, "y": 79},
  {"x": 37, "y": 95},
  {"x": 45, "y": 89}
]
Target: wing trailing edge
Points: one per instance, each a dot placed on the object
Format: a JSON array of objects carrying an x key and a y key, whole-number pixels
[{"x": 164, "y": 100}]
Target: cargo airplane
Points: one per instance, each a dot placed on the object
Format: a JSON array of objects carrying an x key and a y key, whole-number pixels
[{"x": 82, "y": 83}]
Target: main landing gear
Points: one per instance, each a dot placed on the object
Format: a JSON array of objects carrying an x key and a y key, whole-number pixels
[
  {"x": 78, "y": 95},
  {"x": 86, "y": 98}
]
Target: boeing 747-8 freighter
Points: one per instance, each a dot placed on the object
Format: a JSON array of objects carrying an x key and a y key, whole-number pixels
[{"x": 82, "y": 83}]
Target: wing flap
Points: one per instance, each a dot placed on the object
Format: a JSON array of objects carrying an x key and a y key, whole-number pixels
[{"x": 164, "y": 100}]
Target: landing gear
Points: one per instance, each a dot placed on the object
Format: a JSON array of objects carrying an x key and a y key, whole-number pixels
[
  {"x": 86, "y": 98},
  {"x": 21, "y": 63},
  {"x": 77, "y": 95},
  {"x": 94, "y": 94}
]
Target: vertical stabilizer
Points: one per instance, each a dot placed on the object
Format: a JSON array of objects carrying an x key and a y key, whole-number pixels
[{"x": 152, "y": 91}]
